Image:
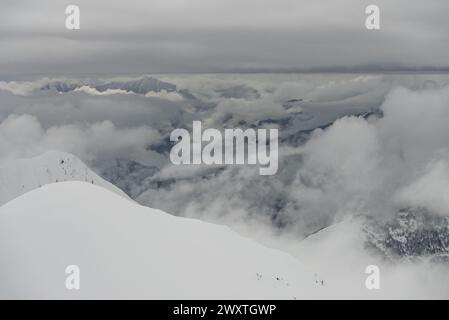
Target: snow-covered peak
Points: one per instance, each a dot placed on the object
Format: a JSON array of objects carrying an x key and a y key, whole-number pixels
[
  {"x": 125, "y": 250},
  {"x": 140, "y": 86},
  {"x": 22, "y": 175}
]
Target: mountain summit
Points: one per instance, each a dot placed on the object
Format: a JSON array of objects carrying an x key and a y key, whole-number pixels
[{"x": 20, "y": 176}]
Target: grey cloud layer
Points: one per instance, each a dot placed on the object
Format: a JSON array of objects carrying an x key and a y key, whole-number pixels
[
  {"x": 220, "y": 36},
  {"x": 316, "y": 184}
]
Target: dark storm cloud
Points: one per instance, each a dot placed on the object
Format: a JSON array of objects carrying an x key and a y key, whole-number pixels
[{"x": 218, "y": 35}]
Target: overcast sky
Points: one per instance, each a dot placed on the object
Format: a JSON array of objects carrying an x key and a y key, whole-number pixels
[{"x": 136, "y": 36}]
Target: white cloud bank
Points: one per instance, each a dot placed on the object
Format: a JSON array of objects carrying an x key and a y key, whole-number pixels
[{"x": 24, "y": 136}]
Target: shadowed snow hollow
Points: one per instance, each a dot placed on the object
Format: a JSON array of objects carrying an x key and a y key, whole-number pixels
[{"x": 125, "y": 250}]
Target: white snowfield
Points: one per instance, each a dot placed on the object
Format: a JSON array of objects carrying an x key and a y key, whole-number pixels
[
  {"x": 340, "y": 254},
  {"x": 125, "y": 250},
  {"x": 20, "y": 176}
]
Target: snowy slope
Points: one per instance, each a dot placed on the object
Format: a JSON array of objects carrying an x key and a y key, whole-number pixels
[
  {"x": 342, "y": 252},
  {"x": 20, "y": 176},
  {"x": 125, "y": 250}
]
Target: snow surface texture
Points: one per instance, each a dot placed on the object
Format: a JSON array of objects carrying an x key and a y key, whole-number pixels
[
  {"x": 20, "y": 176},
  {"x": 125, "y": 250}
]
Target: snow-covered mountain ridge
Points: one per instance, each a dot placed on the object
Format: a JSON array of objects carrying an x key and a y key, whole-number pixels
[
  {"x": 22, "y": 175},
  {"x": 125, "y": 250}
]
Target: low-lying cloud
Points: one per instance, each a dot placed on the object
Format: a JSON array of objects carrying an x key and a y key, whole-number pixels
[{"x": 24, "y": 136}]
